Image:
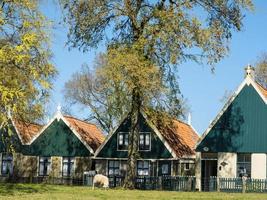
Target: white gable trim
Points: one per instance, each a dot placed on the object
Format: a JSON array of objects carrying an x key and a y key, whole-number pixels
[
  {"x": 248, "y": 81},
  {"x": 150, "y": 124},
  {"x": 78, "y": 135},
  {"x": 109, "y": 136},
  {"x": 57, "y": 117},
  {"x": 154, "y": 128},
  {"x": 17, "y": 131}
]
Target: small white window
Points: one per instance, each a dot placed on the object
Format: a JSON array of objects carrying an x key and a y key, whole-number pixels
[
  {"x": 120, "y": 139},
  {"x": 187, "y": 166},
  {"x": 7, "y": 164},
  {"x": 44, "y": 166},
  {"x": 165, "y": 169},
  {"x": 68, "y": 166}
]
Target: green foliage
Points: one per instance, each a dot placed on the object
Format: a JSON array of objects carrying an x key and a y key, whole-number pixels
[
  {"x": 146, "y": 41},
  {"x": 25, "y": 67}
]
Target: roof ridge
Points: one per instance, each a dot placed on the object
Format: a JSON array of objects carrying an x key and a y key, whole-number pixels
[{"x": 75, "y": 118}]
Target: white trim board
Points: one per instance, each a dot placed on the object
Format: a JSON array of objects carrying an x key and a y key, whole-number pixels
[
  {"x": 57, "y": 117},
  {"x": 149, "y": 124},
  {"x": 247, "y": 82}
]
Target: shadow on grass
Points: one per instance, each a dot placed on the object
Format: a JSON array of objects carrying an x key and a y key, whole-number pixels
[{"x": 11, "y": 189}]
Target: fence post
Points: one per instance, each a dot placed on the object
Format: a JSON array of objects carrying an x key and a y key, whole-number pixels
[
  {"x": 244, "y": 184},
  {"x": 189, "y": 184},
  {"x": 218, "y": 184},
  {"x": 160, "y": 180}
]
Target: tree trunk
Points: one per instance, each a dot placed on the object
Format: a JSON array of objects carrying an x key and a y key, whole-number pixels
[{"x": 133, "y": 140}]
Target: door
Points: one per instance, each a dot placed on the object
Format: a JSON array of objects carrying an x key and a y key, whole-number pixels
[{"x": 208, "y": 172}]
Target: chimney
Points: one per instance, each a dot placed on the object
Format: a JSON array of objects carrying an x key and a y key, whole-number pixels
[{"x": 249, "y": 71}]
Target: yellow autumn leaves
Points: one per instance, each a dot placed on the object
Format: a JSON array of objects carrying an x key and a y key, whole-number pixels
[{"x": 26, "y": 70}]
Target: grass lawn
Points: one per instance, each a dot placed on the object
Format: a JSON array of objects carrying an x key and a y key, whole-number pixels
[{"x": 41, "y": 192}]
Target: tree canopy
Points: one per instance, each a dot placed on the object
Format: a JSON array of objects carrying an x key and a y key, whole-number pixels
[
  {"x": 26, "y": 70},
  {"x": 146, "y": 40}
]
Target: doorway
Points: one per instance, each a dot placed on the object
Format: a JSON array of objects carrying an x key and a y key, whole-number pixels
[{"x": 208, "y": 171}]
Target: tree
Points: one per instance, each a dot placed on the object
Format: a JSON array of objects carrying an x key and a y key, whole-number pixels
[
  {"x": 26, "y": 71},
  {"x": 159, "y": 34},
  {"x": 88, "y": 88},
  {"x": 261, "y": 70}
]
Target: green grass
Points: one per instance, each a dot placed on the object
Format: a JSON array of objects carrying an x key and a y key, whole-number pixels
[{"x": 44, "y": 192}]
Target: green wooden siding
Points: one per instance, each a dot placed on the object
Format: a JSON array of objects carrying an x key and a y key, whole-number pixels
[
  {"x": 10, "y": 139},
  {"x": 242, "y": 128},
  {"x": 57, "y": 140},
  {"x": 158, "y": 149}
]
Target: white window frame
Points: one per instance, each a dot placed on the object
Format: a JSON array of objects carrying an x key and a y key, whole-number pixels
[
  {"x": 149, "y": 133},
  {"x": 137, "y": 169},
  {"x": 118, "y": 138},
  {"x": 49, "y": 168},
  {"x": 12, "y": 163},
  {"x": 71, "y": 159}
]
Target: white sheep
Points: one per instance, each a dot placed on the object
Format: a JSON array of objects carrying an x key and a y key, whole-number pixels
[{"x": 101, "y": 180}]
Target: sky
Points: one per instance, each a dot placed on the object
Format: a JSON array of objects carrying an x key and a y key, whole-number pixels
[{"x": 202, "y": 88}]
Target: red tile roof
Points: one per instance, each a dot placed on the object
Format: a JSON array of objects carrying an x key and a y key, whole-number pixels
[
  {"x": 27, "y": 131},
  {"x": 181, "y": 137},
  {"x": 90, "y": 133},
  {"x": 262, "y": 89}
]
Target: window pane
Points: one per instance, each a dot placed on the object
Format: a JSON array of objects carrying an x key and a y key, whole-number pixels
[
  {"x": 148, "y": 139},
  {"x": 141, "y": 139},
  {"x": 126, "y": 136},
  {"x": 244, "y": 165},
  {"x": 145, "y": 172},
  {"x": 165, "y": 169},
  {"x": 111, "y": 163},
  {"x": 145, "y": 164},
  {"x": 116, "y": 164},
  {"x": 41, "y": 169},
  {"x": 120, "y": 139}
]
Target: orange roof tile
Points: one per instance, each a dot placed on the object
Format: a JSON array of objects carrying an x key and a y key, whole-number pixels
[
  {"x": 181, "y": 137},
  {"x": 27, "y": 130},
  {"x": 90, "y": 133},
  {"x": 262, "y": 89}
]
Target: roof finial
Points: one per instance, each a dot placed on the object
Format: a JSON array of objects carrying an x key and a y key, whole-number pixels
[
  {"x": 249, "y": 71},
  {"x": 58, "y": 112},
  {"x": 59, "y": 108},
  {"x": 189, "y": 119}
]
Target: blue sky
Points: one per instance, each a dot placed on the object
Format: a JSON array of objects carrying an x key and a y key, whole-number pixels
[{"x": 202, "y": 89}]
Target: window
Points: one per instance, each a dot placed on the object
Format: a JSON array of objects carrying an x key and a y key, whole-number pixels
[
  {"x": 142, "y": 168},
  {"x": 186, "y": 166},
  {"x": 7, "y": 164},
  {"x": 144, "y": 141},
  {"x": 165, "y": 169},
  {"x": 243, "y": 165},
  {"x": 123, "y": 141},
  {"x": 113, "y": 167},
  {"x": 44, "y": 166},
  {"x": 67, "y": 166}
]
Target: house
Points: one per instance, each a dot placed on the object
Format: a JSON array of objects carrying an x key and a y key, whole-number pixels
[
  {"x": 62, "y": 148},
  {"x": 235, "y": 143},
  {"x": 162, "y": 151}
]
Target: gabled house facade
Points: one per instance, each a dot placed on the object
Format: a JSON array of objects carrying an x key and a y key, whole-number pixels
[
  {"x": 62, "y": 148},
  {"x": 235, "y": 144},
  {"x": 168, "y": 151}
]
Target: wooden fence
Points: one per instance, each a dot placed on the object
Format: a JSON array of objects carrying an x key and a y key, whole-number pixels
[
  {"x": 241, "y": 185},
  {"x": 171, "y": 183}
]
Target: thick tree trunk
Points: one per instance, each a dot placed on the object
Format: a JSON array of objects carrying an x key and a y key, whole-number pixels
[{"x": 133, "y": 140}]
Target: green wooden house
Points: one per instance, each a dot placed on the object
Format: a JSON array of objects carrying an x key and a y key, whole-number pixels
[
  {"x": 162, "y": 151},
  {"x": 235, "y": 144},
  {"x": 62, "y": 148}
]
